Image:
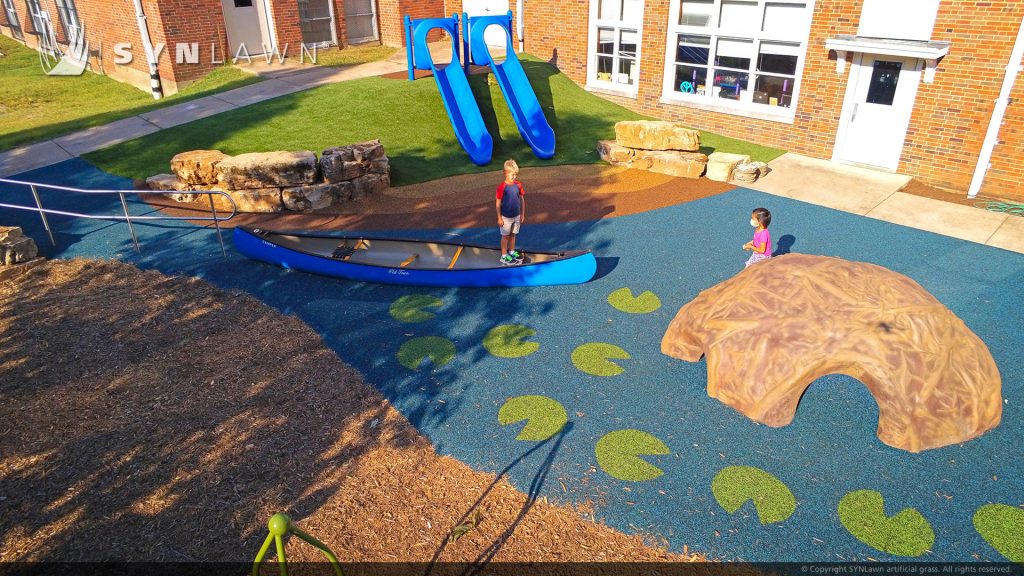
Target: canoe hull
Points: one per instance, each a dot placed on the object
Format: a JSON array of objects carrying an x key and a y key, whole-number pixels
[{"x": 575, "y": 269}]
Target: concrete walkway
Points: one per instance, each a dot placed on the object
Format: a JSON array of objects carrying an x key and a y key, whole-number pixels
[
  {"x": 876, "y": 195},
  {"x": 277, "y": 81}
]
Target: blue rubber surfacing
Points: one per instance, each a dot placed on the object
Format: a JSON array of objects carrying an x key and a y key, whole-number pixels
[{"x": 829, "y": 450}]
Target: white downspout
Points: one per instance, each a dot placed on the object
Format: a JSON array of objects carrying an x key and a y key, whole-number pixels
[
  {"x": 154, "y": 73},
  {"x": 519, "y": 23},
  {"x": 996, "y": 122}
]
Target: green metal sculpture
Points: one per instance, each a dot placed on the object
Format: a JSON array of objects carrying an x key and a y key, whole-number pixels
[{"x": 279, "y": 526}]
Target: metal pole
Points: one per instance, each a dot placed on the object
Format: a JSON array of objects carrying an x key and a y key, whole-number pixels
[
  {"x": 128, "y": 218},
  {"x": 216, "y": 222},
  {"x": 409, "y": 48},
  {"x": 46, "y": 223}
]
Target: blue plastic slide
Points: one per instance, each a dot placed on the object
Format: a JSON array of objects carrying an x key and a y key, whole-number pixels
[
  {"x": 519, "y": 95},
  {"x": 452, "y": 83}
]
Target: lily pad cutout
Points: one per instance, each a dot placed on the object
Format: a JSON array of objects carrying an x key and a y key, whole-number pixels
[
  {"x": 409, "y": 308},
  {"x": 619, "y": 453},
  {"x": 735, "y": 485},
  {"x": 593, "y": 358},
  {"x": 907, "y": 533},
  {"x": 507, "y": 341},
  {"x": 623, "y": 300},
  {"x": 544, "y": 416},
  {"x": 413, "y": 352},
  {"x": 1002, "y": 527}
]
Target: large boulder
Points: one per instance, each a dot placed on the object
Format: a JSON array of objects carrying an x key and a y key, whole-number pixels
[
  {"x": 15, "y": 247},
  {"x": 722, "y": 164},
  {"x": 260, "y": 200},
  {"x": 337, "y": 169},
  {"x": 344, "y": 163},
  {"x": 306, "y": 198},
  {"x": 614, "y": 153},
  {"x": 369, "y": 185},
  {"x": 656, "y": 135},
  {"x": 680, "y": 164},
  {"x": 198, "y": 167},
  {"x": 777, "y": 326},
  {"x": 171, "y": 182},
  {"x": 267, "y": 169}
]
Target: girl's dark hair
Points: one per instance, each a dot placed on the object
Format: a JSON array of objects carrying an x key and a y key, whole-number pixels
[{"x": 764, "y": 217}]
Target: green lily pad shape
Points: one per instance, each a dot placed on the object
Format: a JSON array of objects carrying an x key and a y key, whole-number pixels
[
  {"x": 414, "y": 351},
  {"x": 409, "y": 308},
  {"x": 735, "y": 485},
  {"x": 1002, "y": 527},
  {"x": 593, "y": 358},
  {"x": 624, "y": 301},
  {"x": 907, "y": 533},
  {"x": 507, "y": 341},
  {"x": 619, "y": 453},
  {"x": 544, "y": 416}
]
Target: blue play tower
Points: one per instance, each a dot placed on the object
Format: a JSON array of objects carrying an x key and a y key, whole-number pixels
[{"x": 453, "y": 83}]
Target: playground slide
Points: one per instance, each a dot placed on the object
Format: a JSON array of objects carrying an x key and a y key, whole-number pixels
[
  {"x": 453, "y": 85},
  {"x": 519, "y": 94}
]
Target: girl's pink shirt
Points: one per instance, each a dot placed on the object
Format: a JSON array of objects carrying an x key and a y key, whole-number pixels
[{"x": 763, "y": 238}]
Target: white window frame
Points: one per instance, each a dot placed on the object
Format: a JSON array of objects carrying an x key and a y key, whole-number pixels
[
  {"x": 709, "y": 101},
  {"x": 595, "y": 85}
]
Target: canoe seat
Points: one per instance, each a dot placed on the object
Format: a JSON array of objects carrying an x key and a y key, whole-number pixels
[
  {"x": 343, "y": 252},
  {"x": 408, "y": 260}
]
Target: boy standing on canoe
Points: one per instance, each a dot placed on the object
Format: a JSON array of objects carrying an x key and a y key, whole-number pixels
[{"x": 510, "y": 203}]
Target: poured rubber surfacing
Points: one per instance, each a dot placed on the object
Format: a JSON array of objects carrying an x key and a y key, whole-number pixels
[{"x": 777, "y": 326}]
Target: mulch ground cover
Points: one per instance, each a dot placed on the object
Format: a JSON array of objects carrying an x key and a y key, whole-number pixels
[{"x": 158, "y": 418}]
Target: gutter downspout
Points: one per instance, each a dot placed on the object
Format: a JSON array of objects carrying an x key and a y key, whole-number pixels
[
  {"x": 154, "y": 74},
  {"x": 519, "y": 23},
  {"x": 996, "y": 122}
]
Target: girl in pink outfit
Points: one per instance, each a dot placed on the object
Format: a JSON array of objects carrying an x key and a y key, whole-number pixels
[{"x": 761, "y": 245}]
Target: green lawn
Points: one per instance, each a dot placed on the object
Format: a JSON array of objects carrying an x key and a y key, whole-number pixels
[
  {"x": 352, "y": 55},
  {"x": 34, "y": 106},
  {"x": 410, "y": 120}
]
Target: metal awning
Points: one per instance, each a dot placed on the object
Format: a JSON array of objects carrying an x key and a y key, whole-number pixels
[{"x": 928, "y": 50}]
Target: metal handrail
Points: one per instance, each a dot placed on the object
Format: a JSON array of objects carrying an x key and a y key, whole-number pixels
[{"x": 128, "y": 218}]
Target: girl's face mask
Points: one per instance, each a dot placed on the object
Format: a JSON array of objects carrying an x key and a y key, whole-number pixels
[{"x": 753, "y": 222}]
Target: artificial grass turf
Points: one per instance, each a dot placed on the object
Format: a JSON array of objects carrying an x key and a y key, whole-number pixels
[
  {"x": 408, "y": 117},
  {"x": 906, "y": 533},
  {"x": 409, "y": 308},
  {"x": 593, "y": 358},
  {"x": 544, "y": 416},
  {"x": 735, "y": 485},
  {"x": 1002, "y": 527},
  {"x": 353, "y": 55},
  {"x": 624, "y": 301},
  {"x": 618, "y": 453},
  {"x": 507, "y": 341},
  {"x": 34, "y": 106}
]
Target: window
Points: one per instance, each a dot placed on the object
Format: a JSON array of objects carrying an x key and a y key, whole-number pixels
[
  {"x": 69, "y": 19},
  {"x": 35, "y": 13},
  {"x": 884, "y": 76},
  {"x": 12, "y": 19},
  {"x": 741, "y": 54},
  {"x": 614, "y": 57}
]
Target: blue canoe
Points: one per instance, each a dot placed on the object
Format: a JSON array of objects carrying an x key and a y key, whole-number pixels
[{"x": 411, "y": 262}]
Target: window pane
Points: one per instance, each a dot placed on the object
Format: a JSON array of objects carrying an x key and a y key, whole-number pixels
[
  {"x": 632, "y": 10},
  {"x": 604, "y": 68},
  {"x": 777, "y": 58},
  {"x": 774, "y": 91},
  {"x": 740, "y": 16},
  {"x": 690, "y": 80},
  {"x": 627, "y": 43},
  {"x": 605, "y": 41},
  {"x": 627, "y": 71},
  {"x": 733, "y": 53},
  {"x": 691, "y": 54},
  {"x": 884, "y": 77},
  {"x": 696, "y": 12},
  {"x": 729, "y": 83},
  {"x": 609, "y": 9},
  {"x": 786, "y": 20}
]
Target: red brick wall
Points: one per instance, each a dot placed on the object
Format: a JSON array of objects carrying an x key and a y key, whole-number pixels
[
  {"x": 188, "y": 21},
  {"x": 392, "y": 13},
  {"x": 285, "y": 14},
  {"x": 950, "y": 115}
]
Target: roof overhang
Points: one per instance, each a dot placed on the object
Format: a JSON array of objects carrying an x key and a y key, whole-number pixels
[{"x": 928, "y": 50}]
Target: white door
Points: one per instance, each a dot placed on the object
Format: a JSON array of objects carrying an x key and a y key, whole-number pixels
[
  {"x": 246, "y": 22},
  {"x": 876, "y": 113},
  {"x": 493, "y": 36}
]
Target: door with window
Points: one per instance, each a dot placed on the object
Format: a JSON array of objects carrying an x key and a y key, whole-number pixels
[
  {"x": 246, "y": 24},
  {"x": 12, "y": 19},
  {"x": 614, "y": 59},
  {"x": 876, "y": 114}
]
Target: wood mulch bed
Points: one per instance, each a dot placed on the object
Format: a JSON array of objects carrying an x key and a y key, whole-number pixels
[{"x": 147, "y": 417}]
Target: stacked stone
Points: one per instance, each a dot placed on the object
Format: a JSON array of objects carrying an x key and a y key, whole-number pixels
[
  {"x": 275, "y": 181},
  {"x": 662, "y": 147},
  {"x": 15, "y": 247}
]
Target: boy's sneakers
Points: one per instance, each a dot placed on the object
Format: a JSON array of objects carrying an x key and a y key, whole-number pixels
[
  {"x": 516, "y": 255},
  {"x": 507, "y": 259}
]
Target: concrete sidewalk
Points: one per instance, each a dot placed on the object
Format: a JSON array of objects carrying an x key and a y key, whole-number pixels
[
  {"x": 277, "y": 81},
  {"x": 876, "y": 195}
]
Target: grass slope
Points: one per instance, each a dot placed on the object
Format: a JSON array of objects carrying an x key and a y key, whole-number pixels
[
  {"x": 34, "y": 106},
  {"x": 408, "y": 117}
]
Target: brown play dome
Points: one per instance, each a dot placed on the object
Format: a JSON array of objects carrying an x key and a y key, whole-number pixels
[{"x": 775, "y": 327}]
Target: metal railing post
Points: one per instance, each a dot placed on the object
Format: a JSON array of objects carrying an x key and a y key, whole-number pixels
[
  {"x": 128, "y": 219},
  {"x": 42, "y": 214},
  {"x": 216, "y": 223}
]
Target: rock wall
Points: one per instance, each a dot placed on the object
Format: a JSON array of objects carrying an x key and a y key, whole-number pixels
[
  {"x": 662, "y": 147},
  {"x": 275, "y": 181}
]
